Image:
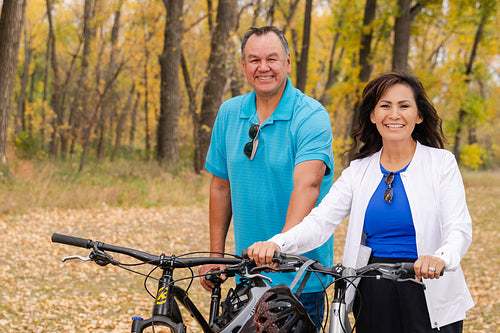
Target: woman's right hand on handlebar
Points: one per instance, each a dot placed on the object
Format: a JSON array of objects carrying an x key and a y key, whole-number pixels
[
  {"x": 205, "y": 269},
  {"x": 263, "y": 252}
]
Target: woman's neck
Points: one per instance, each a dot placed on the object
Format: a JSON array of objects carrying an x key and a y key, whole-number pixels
[{"x": 395, "y": 157}]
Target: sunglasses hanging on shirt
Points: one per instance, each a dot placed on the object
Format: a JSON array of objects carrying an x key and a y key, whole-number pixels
[
  {"x": 251, "y": 147},
  {"x": 389, "y": 179}
]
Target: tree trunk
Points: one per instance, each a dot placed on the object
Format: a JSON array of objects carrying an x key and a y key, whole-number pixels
[
  {"x": 56, "y": 95},
  {"x": 364, "y": 58},
  {"x": 219, "y": 66},
  {"x": 120, "y": 123},
  {"x": 366, "y": 41},
  {"x": 11, "y": 23},
  {"x": 304, "y": 53},
  {"x": 133, "y": 119},
  {"x": 167, "y": 150},
  {"x": 291, "y": 12},
  {"x": 191, "y": 92},
  {"x": 21, "y": 104},
  {"x": 462, "y": 113},
  {"x": 333, "y": 65},
  {"x": 109, "y": 108},
  {"x": 84, "y": 80},
  {"x": 401, "y": 36}
]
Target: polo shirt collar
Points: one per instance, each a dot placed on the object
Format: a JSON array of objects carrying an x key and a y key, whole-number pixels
[{"x": 283, "y": 111}]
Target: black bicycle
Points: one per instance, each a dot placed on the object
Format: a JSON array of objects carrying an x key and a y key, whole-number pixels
[{"x": 232, "y": 314}]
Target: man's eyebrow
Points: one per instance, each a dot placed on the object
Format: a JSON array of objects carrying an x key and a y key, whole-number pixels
[{"x": 274, "y": 54}]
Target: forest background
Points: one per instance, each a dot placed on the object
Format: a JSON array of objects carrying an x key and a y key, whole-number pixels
[{"x": 141, "y": 80}]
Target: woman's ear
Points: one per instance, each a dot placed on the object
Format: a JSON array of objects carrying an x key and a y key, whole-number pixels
[{"x": 420, "y": 118}]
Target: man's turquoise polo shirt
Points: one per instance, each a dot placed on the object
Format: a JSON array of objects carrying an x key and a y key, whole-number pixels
[{"x": 298, "y": 130}]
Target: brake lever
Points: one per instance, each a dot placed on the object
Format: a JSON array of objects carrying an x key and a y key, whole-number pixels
[
  {"x": 411, "y": 280},
  {"x": 75, "y": 257},
  {"x": 394, "y": 275},
  {"x": 250, "y": 276}
]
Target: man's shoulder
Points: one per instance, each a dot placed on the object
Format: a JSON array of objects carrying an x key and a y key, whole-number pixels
[
  {"x": 235, "y": 101},
  {"x": 307, "y": 110}
]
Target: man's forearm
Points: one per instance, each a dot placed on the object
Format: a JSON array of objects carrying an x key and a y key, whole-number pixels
[{"x": 220, "y": 213}]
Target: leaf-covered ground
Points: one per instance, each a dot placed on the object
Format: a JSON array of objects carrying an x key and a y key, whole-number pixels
[{"x": 40, "y": 293}]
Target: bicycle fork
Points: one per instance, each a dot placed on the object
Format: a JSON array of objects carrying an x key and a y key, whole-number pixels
[{"x": 339, "y": 322}]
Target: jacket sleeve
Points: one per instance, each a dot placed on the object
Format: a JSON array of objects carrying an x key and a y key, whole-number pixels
[
  {"x": 319, "y": 225},
  {"x": 456, "y": 224}
]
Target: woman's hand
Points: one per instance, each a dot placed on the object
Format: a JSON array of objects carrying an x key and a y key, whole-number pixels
[
  {"x": 428, "y": 267},
  {"x": 262, "y": 253}
]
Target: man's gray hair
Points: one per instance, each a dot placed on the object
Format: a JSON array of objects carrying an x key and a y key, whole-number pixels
[{"x": 262, "y": 31}]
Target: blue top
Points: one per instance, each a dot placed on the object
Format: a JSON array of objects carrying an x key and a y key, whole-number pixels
[
  {"x": 298, "y": 130},
  {"x": 389, "y": 228}
]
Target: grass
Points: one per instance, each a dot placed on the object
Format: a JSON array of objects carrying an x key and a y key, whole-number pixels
[
  {"x": 49, "y": 185},
  {"x": 144, "y": 206}
]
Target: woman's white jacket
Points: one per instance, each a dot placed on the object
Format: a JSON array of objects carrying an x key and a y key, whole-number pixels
[{"x": 443, "y": 227}]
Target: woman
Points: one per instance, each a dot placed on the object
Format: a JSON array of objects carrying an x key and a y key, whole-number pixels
[{"x": 406, "y": 201}]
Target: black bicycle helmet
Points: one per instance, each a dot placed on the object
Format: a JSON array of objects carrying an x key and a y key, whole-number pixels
[
  {"x": 279, "y": 311},
  {"x": 236, "y": 299}
]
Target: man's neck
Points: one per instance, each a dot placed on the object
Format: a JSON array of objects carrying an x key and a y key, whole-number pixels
[{"x": 266, "y": 104}]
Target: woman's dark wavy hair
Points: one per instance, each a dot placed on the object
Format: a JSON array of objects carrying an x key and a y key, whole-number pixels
[{"x": 365, "y": 134}]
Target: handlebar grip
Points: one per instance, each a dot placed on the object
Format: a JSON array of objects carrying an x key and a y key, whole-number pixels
[
  {"x": 277, "y": 255},
  {"x": 70, "y": 240},
  {"x": 408, "y": 266}
]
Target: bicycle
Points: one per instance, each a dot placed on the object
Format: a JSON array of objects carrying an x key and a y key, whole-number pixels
[
  {"x": 237, "y": 307},
  {"x": 343, "y": 278}
]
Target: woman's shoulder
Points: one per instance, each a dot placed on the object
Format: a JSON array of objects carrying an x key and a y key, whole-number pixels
[
  {"x": 433, "y": 152},
  {"x": 436, "y": 159}
]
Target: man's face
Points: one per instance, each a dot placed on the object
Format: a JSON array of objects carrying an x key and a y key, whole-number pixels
[{"x": 266, "y": 65}]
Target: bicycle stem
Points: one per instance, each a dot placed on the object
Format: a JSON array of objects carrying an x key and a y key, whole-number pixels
[{"x": 163, "y": 305}]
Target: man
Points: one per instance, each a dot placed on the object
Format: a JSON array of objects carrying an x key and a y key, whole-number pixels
[{"x": 271, "y": 159}]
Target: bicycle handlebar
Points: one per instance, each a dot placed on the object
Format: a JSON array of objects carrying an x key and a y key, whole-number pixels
[
  {"x": 172, "y": 261},
  {"x": 388, "y": 271}
]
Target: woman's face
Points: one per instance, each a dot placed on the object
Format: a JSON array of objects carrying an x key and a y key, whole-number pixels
[{"x": 396, "y": 114}]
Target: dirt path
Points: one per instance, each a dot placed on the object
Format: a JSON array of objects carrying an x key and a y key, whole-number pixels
[{"x": 41, "y": 294}]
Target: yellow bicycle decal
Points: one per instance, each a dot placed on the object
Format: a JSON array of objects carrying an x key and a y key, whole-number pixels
[{"x": 162, "y": 297}]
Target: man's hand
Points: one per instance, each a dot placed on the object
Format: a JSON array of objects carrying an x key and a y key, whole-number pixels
[{"x": 205, "y": 269}]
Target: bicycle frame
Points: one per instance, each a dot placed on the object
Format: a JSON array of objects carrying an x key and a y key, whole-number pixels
[{"x": 166, "y": 311}]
